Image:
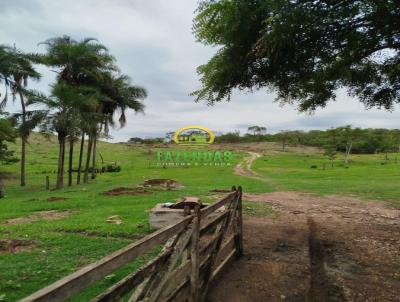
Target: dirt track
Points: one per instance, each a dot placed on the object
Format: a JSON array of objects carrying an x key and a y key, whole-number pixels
[
  {"x": 244, "y": 168},
  {"x": 323, "y": 249}
]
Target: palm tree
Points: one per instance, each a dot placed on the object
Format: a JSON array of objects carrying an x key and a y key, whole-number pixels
[
  {"x": 118, "y": 95},
  {"x": 64, "y": 105},
  {"x": 7, "y": 67},
  {"x": 77, "y": 63},
  {"x": 7, "y": 134},
  {"x": 29, "y": 120},
  {"x": 88, "y": 64},
  {"x": 16, "y": 76}
]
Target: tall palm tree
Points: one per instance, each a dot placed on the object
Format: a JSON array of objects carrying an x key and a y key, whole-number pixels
[
  {"x": 118, "y": 95},
  {"x": 64, "y": 106},
  {"x": 87, "y": 63},
  {"x": 7, "y": 67},
  {"x": 7, "y": 134},
  {"x": 29, "y": 120},
  {"x": 77, "y": 63},
  {"x": 16, "y": 75}
]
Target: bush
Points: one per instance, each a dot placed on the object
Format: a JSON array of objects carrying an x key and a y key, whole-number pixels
[{"x": 113, "y": 168}]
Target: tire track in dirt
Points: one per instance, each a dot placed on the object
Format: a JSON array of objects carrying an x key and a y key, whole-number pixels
[
  {"x": 316, "y": 249},
  {"x": 321, "y": 287}
]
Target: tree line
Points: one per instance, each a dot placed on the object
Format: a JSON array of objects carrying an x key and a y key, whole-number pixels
[
  {"x": 87, "y": 97},
  {"x": 345, "y": 139}
]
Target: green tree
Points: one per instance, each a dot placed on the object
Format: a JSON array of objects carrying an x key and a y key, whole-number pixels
[
  {"x": 78, "y": 64},
  {"x": 8, "y": 66},
  {"x": 330, "y": 152},
  {"x": 16, "y": 78},
  {"x": 257, "y": 130},
  {"x": 303, "y": 49},
  {"x": 117, "y": 95},
  {"x": 28, "y": 120},
  {"x": 7, "y": 134},
  {"x": 64, "y": 105},
  {"x": 344, "y": 138},
  {"x": 87, "y": 68}
]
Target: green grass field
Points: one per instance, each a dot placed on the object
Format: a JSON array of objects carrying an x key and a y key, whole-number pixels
[
  {"x": 367, "y": 176},
  {"x": 61, "y": 246}
]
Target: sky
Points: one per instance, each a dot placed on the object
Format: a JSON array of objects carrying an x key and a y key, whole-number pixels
[{"x": 153, "y": 43}]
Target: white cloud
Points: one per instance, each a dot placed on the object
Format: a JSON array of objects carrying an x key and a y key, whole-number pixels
[{"x": 154, "y": 44}]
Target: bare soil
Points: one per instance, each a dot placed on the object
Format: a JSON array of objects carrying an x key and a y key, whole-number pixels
[
  {"x": 127, "y": 191},
  {"x": 264, "y": 147},
  {"x": 323, "y": 249},
  {"x": 15, "y": 245},
  {"x": 163, "y": 183},
  {"x": 41, "y": 215},
  {"x": 220, "y": 191},
  {"x": 52, "y": 199},
  {"x": 146, "y": 188},
  {"x": 244, "y": 168}
]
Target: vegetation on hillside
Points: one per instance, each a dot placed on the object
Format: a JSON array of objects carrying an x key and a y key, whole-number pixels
[{"x": 341, "y": 139}]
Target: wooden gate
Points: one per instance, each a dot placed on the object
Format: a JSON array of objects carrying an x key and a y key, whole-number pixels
[{"x": 194, "y": 251}]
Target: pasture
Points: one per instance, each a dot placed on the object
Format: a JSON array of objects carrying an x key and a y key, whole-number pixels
[{"x": 49, "y": 234}]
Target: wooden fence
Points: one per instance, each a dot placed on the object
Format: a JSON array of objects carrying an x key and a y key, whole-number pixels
[{"x": 194, "y": 251}]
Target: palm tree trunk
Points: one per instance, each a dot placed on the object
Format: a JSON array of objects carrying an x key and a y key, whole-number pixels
[
  {"x": 94, "y": 157},
  {"x": 78, "y": 178},
  {"x": 1, "y": 188},
  {"x": 61, "y": 157},
  {"x": 23, "y": 141},
  {"x": 23, "y": 160},
  {"x": 89, "y": 152},
  {"x": 70, "y": 158},
  {"x": 63, "y": 161}
]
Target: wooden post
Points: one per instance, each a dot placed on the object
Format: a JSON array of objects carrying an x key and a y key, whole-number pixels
[
  {"x": 47, "y": 183},
  {"x": 186, "y": 212},
  {"x": 194, "y": 256},
  {"x": 239, "y": 235}
]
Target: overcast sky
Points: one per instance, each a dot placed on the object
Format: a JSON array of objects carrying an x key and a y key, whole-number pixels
[{"x": 153, "y": 43}]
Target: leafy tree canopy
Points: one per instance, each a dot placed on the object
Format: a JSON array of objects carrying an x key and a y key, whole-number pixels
[
  {"x": 303, "y": 49},
  {"x": 15, "y": 69},
  {"x": 7, "y": 134}
]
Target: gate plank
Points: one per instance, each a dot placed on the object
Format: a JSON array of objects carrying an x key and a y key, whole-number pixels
[{"x": 81, "y": 279}]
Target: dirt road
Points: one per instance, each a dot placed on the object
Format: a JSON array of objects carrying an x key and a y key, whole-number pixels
[
  {"x": 244, "y": 167},
  {"x": 321, "y": 249}
]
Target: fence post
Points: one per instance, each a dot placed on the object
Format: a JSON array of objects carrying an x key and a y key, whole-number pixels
[
  {"x": 194, "y": 256},
  {"x": 47, "y": 183},
  {"x": 239, "y": 223}
]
